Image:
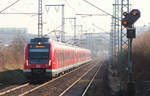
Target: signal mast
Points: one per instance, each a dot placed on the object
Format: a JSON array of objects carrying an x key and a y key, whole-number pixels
[{"x": 40, "y": 21}]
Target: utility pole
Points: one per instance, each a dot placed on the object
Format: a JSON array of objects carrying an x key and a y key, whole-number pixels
[
  {"x": 40, "y": 21},
  {"x": 116, "y": 37},
  {"x": 62, "y": 21},
  {"x": 120, "y": 41},
  {"x": 116, "y": 29},
  {"x": 81, "y": 35},
  {"x": 85, "y": 46},
  {"x": 86, "y": 39},
  {"x": 111, "y": 45},
  {"x": 74, "y": 27},
  {"x": 81, "y": 29},
  {"x": 75, "y": 31},
  {"x": 112, "y": 40},
  {"x": 63, "y": 25},
  {"x": 114, "y": 34},
  {"x": 125, "y": 6}
]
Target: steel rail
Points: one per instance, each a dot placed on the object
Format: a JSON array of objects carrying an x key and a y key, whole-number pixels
[
  {"x": 76, "y": 81},
  {"x": 13, "y": 89},
  {"x": 83, "y": 94},
  {"x": 27, "y": 92}
]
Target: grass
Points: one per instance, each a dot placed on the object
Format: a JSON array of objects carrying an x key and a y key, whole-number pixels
[
  {"x": 11, "y": 63},
  {"x": 13, "y": 66},
  {"x": 12, "y": 57},
  {"x": 141, "y": 57}
]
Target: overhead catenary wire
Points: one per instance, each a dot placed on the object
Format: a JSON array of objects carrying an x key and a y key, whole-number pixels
[
  {"x": 100, "y": 9},
  {"x": 54, "y": 29},
  {"x": 21, "y": 13},
  {"x": 18, "y": 13},
  {"x": 9, "y": 6},
  {"x": 99, "y": 28},
  {"x": 64, "y": 0},
  {"x": 15, "y": 13},
  {"x": 71, "y": 7},
  {"x": 107, "y": 13}
]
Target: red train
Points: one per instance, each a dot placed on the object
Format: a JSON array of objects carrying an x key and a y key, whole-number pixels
[{"x": 48, "y": 58}]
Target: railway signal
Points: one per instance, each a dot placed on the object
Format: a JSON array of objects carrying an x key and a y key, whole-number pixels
[
  {"x": 130, "y": 18},
  {"x": 128, "y": 21}
]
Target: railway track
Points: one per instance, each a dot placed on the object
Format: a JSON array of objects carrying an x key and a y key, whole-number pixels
[
  {"x": 18, "y": 90},
  {"x": 79, "y": 85},
  {"x": 22, "y": 89},
  {"x": 57, "y": 87},
  {"x": 29, "y": 89},
  {"x": 13, "y": 89},
  {"x": 88, "y": 86}
]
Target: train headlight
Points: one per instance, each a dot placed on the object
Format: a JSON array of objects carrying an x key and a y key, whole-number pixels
[
  {"x": 49, "y": 63},
  {"x": 27, "y": 62}
]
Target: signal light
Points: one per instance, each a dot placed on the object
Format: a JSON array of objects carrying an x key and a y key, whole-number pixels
[
  {"x": 125, "y": 22},
  {"x": 134, "y": 13},
  {"x": 130, "y": 18}
]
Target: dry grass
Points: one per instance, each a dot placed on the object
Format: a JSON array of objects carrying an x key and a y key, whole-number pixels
[
  {"x": 11, "y": 61},
  {"x": 141, "y": 57},
  {"x": 11, "y": 57}
]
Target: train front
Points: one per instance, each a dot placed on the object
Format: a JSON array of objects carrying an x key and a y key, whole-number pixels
[{"x": 37, "y": 63}]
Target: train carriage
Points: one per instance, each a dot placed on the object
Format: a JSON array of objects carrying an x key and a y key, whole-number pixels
[{"x": 45, "y": 58}]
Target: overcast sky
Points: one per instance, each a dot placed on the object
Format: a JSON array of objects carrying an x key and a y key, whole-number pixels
[{"x": 52, "y": 18}]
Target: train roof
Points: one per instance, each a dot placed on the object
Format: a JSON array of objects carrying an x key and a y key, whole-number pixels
[
  {"x": 65, "y": 45},
  {"x": 37, "y": 40},
  {"x": 54, "y": 43}
]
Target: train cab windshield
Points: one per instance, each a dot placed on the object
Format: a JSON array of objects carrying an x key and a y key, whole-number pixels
[{"x": 39, "y": 54}]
